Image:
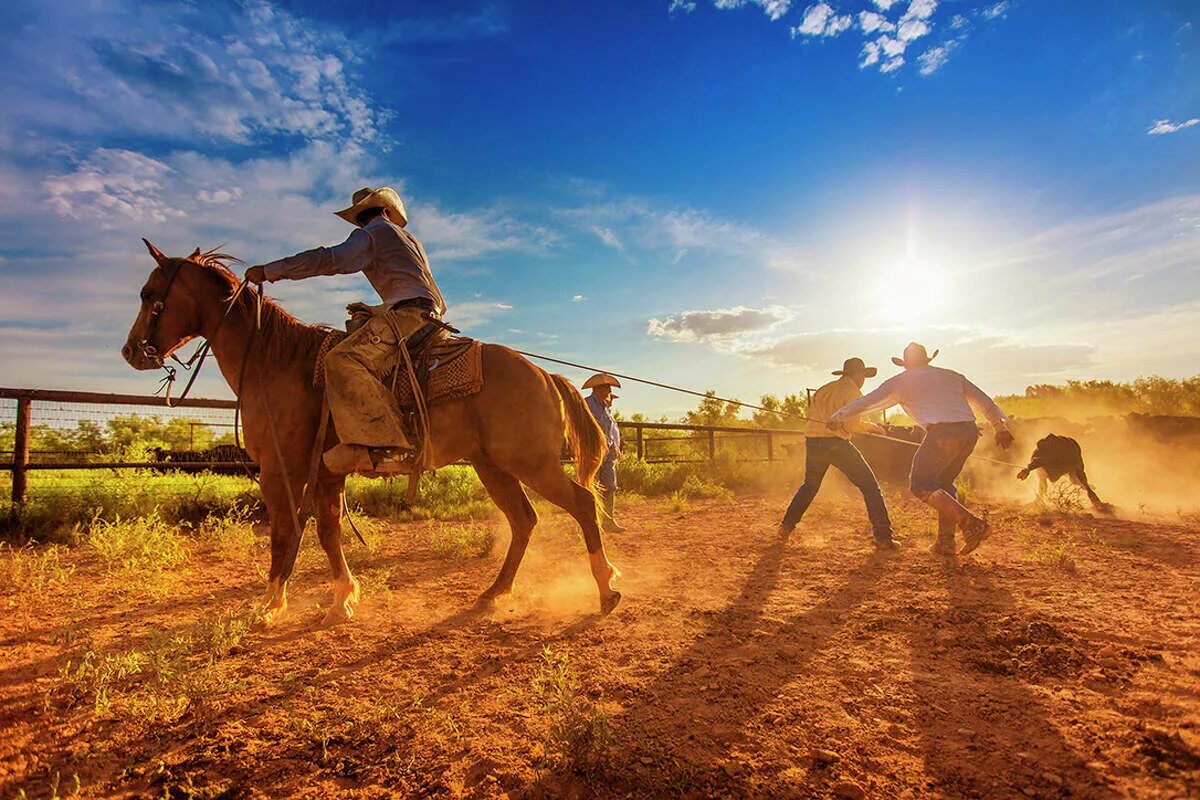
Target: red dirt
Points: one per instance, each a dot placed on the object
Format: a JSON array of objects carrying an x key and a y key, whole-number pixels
[{"x": 736, "y": 665}]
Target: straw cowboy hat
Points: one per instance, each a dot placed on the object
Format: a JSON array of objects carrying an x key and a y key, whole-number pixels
[
  {"x": 855, "y": 366},
  {"x": 914, "y": 356},
  {"x": 384, "y": 197},
  {"x": 602, "y": 379}
]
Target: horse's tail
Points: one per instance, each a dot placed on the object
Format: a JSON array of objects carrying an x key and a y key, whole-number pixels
[{"x": 582, "y": 432}]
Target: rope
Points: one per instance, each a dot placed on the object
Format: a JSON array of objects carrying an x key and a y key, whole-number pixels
[{"x": 694, "y": 393}]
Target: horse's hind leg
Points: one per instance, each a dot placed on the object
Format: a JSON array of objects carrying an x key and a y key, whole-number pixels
[
  {"x": 554, "y": 485},
  {"x": 329, "y": 530},
  {"x": 507, "y": 492}
]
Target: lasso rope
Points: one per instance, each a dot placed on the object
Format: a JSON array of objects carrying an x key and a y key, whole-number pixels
[{"x": 694, "y": 393}]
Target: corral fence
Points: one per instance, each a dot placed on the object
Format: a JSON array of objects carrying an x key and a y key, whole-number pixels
[{"x": 64, "y": 433}]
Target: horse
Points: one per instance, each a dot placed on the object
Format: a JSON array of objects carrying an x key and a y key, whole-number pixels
[{"x": 512, "y": 431}]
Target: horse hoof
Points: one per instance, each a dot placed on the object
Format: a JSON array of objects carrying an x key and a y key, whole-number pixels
[
  {"x": 485, "y": 604},
  {"x": 336, "y": 616},
  {"x": 607, "y": 604}
]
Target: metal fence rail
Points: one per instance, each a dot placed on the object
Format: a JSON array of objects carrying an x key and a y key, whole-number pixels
[{"x": 80, "y": 431}]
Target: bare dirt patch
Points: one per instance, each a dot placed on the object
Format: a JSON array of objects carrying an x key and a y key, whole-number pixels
[{"x": 737, "y": 665}]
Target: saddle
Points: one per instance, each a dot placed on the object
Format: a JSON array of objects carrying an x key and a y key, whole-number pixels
[{"x": 447, "y": 367}]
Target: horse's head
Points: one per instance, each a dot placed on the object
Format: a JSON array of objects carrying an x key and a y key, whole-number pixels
[{"x": 169, "y": 315}]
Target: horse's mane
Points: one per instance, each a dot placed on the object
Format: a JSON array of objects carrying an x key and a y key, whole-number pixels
[{"x": 283, "y": 337}]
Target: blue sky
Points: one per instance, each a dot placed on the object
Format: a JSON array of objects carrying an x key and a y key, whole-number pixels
[{"x": 728, "y": 195}]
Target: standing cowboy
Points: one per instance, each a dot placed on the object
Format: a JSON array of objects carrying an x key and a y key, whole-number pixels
[
  {"x": 365, "y": 413},
  {"x": 940, "y": 400},
  {"x": 826, "y": 446},
  {"x": 599, "y": 402}
]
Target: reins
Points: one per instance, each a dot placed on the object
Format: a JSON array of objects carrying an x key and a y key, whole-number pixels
[{"x": 693, "y": 392}]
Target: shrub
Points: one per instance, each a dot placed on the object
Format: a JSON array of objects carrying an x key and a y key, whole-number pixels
[
  {"x": 578, "y": 735},
  {"x": 32, "y": 569},
  {"x": 142, "y": 544}
]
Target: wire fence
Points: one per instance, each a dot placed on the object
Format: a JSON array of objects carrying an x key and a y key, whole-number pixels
[{"x": 59, "y": 442}]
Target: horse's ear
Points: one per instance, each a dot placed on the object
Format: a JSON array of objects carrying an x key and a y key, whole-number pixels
[
  {"x": 155, "y": 253},
  {"x": 195, "y": 254}
]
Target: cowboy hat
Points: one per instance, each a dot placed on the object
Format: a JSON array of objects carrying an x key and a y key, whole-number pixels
[
  {"x": 914, "y": 356},
  {"x": 384, "y": 197},
  {"x": 852, "y": 366},
  {"x": 601, "y": 379}
]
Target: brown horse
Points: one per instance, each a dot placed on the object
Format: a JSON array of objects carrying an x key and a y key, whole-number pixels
[{"x": 512, "y": 431}]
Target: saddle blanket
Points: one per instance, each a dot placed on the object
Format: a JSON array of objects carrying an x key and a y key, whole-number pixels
[{"x": 447, "y": 367}]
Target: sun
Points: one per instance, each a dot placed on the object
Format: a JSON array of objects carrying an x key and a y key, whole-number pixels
[{"x": 910, "y": 292}]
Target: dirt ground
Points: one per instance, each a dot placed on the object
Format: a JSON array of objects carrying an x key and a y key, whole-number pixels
[{"x": 1061, "y": 660}]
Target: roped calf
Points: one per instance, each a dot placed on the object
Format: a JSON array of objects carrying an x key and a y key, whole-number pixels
[{"x": 1055, "y": 456}]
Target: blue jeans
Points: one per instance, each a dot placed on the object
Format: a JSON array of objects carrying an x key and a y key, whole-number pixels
[
  {"x": 824, "y": 452},
  {"x": 606, "y": 476},
  {"x": 941, "y": 457}
]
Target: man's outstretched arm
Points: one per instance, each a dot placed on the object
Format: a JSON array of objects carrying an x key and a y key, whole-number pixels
[
  {"x": 882, "y": 397},
  {"x": 352, "y": 255}
]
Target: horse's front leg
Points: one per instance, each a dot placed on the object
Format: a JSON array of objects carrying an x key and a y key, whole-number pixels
[
  {"x": 329, "y": 529},
  {"x": 285, "y": 541}
]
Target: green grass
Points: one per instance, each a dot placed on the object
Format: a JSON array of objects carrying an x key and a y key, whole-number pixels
[
  {"x": 143, "y": 544},
  {"x": 461, "y": 540},
  {"x": 578, "y": 735},
  {"x": 32, "y": 569},
  {"x": 171, "y": 675}
]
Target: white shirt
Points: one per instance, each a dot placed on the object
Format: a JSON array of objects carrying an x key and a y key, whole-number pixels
[
  {"x": 389, "y": 256},
  {"x": 931, "y": 396}
]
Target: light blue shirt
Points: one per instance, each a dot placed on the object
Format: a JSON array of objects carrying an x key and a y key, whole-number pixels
[
  {"x": 612, "y": 432},
  {"x": 390, "y": 257}
]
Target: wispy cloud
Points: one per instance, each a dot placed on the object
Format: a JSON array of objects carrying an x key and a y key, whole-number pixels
[
  {"x": 720, "y": 326},
  {"x": 1164, "y": 126},
  {"x": 888, "y": 27}
]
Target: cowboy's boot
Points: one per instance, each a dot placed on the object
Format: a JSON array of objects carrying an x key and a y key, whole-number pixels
[
  {"x": 610, "y": 501},
  {"x": 344, "y": 459},
  {"x": 974, "y": 529},
  {"x": 944, "y": 546}
]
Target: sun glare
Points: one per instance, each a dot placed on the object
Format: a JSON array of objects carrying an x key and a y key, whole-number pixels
[{"x": 910, "y": 292}]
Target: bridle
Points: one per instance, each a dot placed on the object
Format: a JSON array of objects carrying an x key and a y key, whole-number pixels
[{"x": 147, "y": 350}]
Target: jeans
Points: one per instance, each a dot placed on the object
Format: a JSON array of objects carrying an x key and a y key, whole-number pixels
[
  {"x": 824, "y": 452},
  {"x": 941, "y": 457},
  {"x": 606, "y": 476}
]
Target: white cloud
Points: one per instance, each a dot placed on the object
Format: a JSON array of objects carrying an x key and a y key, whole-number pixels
[
  {"x": 686, "y": 6},
  {"x": 609, "y": 238},
  {"x": 474, "y": 313},
  {"x": 578, "y": 298},
  {"x": 920, "y": 9},
  {"x": 912, "y": 29},
  {"x": 822, "y": 20},
  {"x": 883, "y": 5},
  {"x": 870, "y": 22},
  {"x": 933, "y": 59},
  {"x": 774, "y": 9},
  {"x": 869, "y": 55},
  {"x": 997, "y": 10},
  {"x": 1163, "y": 126},
  {"x": 720, "y": 326}
]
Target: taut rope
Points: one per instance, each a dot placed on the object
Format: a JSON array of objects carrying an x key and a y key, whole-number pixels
[{"x": 694, "y": 393}]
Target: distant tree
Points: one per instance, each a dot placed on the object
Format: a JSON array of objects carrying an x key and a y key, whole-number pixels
[{"x": 786, "y": 413}]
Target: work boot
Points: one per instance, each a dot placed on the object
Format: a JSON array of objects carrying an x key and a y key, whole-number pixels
[
  {"x": 610, "y": 524},
  {"x": 975, "y": 530},
  {"x": 944, "y": 546},
  {"x": 344, "y": 459},
  {"x": 886, "y": 541}
]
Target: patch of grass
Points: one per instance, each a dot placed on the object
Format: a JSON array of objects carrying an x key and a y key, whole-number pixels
[
  {"x": 230, "y": 534},
  {"x": 461, "y": 540},
  {"x": 60, "y": 501},
  {"x": 161, "y": 682},
  {"x": 142, "y": 544},
  {"x": 452, "y": 493},
  {"x": 32, "y": 569},
  {"x": 55, "y": 786},
  {"x": 578, "y": 735},
  {"x": 1060, "y": 554},
  {"x": 1062, "y": 498},
  {"x": 697, "y": 488}
]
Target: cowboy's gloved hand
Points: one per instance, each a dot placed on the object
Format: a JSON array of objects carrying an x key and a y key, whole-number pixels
[
  {"x": 1004, "y": 438},
  {"x": 358, "y": 307},
  {"x": 256, "y": 274}
]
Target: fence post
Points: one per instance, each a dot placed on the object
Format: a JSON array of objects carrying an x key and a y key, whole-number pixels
[
  {"x": 20, "y": 451},
  {"x": 712, "y": 446},
  {"x": 770, "y": 447},
  {"x": 641, "y": 444}
]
